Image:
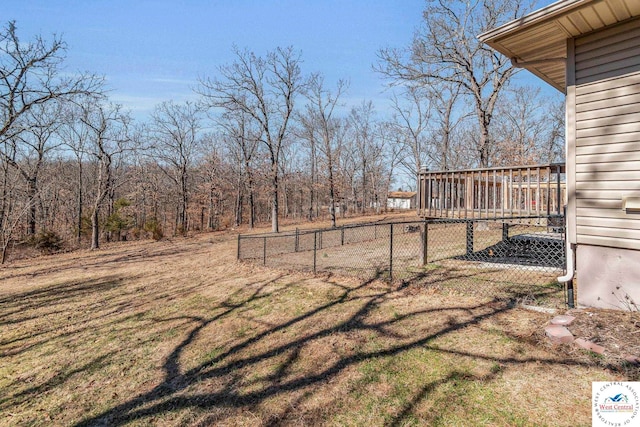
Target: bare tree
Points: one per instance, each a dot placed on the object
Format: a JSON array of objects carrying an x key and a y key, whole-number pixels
[
  {"x": 240, "y": 133},
  {"x": 409, "y": 128},
  {"x": 266, "y": 90},
  {"x": 33, "y": 145},
  {"x": 212, "y": 171},
  {"x": 31, "y": 83},
  {"x": 385, "y": 158},
  {"x": 140, "y": 185},
  {"x": 320, "y": 129},
  {"x": 362, "y": 124},
  {"x": 527, "y": 130},
  {"x": 446, "y": 119},
  {"x": 77, "y": 136},
  {"x": 446, "y": 49},
  {"x": 349, "y": 166},
  {"x": 109, "y": 135},
  {"x": 176, "y": 142},
  {"x": 30, "y": 75},
  {"x": 307, "y": 132},
  {"x": 15, "y": 213},
  {"x": 11, "y": 210},
  {"x": 553, "y": 140}
]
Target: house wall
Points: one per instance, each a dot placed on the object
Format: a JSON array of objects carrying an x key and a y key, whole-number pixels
[
  {"x": 608, "y": 277},
  {"x": 394, "y": 203},
  {"x": 603, "y": 96}
]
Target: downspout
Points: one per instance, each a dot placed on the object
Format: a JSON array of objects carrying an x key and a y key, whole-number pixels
[
  {"x": 570, "y": 257},
  {"x": 567, "y": 279},
  {"x": 570, "y": 270}
]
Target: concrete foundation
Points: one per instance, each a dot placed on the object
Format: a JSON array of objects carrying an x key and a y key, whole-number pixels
[{"x": 608, "y": 277}]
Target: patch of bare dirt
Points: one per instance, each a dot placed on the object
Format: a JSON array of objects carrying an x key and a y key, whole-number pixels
[
  {"x": 615, "y": 330},
  {"x": 618, "y": 331}
]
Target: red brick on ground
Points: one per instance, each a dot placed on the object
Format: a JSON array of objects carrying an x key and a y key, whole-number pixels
[
  {"x": 563, "y": 320},
  {"x": 558, "y": 334},
  {"x": 588, "y": 345}
]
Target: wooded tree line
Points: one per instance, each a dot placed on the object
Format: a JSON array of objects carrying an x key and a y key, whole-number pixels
[{"x": 264, "y": 140}]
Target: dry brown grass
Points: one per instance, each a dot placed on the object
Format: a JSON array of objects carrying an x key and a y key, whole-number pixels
[{"x": 178, "y": 333}]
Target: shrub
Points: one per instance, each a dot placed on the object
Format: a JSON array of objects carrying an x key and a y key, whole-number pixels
[
  {"x": 120, "y": 220},
  {"x": 47, "y": 241},
  {"x": 153, "y": 226},
  {"x": 135, "y": 232}
]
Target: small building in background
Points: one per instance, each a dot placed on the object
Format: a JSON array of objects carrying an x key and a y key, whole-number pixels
[{"x": 398, "y": 200}]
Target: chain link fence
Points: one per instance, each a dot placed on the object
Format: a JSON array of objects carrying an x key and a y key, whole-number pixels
[{"x": 503, "y": 258}]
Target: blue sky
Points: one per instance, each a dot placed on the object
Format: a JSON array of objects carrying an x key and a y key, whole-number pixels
[{"x": 153, "y": 51}]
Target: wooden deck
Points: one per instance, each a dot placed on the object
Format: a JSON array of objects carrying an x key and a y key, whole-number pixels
[{"x": 523, "y": 191}]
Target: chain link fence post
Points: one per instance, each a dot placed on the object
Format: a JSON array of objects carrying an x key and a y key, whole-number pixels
[
  {"x": 315, "y": 250},
  {"x": 424, "y": 242},
  {"x": 470, "y": 237},
  {"x": 505, "y": 232},
  {"x": 390, "y": 252},
  {"x": 264, "y": 250}
]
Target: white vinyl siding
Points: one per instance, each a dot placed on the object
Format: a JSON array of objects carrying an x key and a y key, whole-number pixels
[
  {"x": 396, "y": 203},
  {"x": 607, "y": 135}
]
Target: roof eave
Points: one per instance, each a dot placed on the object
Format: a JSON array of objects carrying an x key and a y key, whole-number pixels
[
  {"x": 541, "y": 15},
  {"x": 547, "y": 80}
]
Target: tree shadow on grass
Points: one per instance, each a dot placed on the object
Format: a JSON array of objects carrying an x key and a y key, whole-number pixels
[
  {"x": 29, "y": 301},
  {"x": 58, "y": 379},
  {"x": 228, "y": 368},
  {"x": 164, "y": 251},
  {"x": 79, "y": 318},
  {"x": 79, "y": 306}
]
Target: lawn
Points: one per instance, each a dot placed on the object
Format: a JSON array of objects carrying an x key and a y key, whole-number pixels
[{"x": 178, "y": 333}]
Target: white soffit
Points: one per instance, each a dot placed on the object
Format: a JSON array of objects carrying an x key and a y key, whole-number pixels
[{"x": 543, "y": 34}]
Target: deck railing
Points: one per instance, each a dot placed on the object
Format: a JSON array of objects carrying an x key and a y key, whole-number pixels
[{"x": 531, "y": 191}]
